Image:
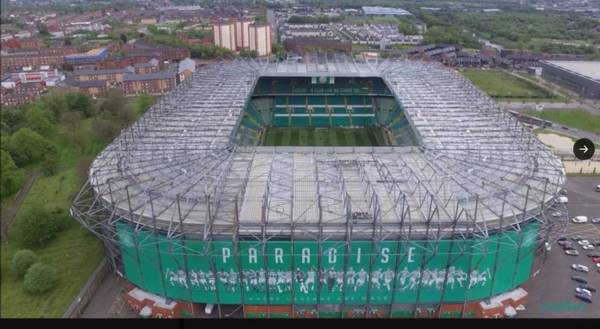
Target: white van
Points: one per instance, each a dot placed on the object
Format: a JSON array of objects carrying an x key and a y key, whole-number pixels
[{"x": 209, "y": 308}]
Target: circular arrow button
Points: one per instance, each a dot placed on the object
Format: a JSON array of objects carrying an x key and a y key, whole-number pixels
[{"x": 583, "y": 149}]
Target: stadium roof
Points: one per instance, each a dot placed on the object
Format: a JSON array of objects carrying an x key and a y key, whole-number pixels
[
  {"x": 476, "y": 168},
  {"x": 384, "y": 11},
  {"x": 588, "y": 69}
]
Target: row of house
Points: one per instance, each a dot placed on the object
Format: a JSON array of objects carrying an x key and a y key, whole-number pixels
[{"x": 147, "y": 78}]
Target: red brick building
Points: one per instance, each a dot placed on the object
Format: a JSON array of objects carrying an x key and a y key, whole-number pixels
[
  {"x": 48, "y": 56},
  {"x": 151, "y": 83}
]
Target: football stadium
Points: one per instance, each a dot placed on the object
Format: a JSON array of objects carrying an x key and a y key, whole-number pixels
[{"x": 327, "y": 187}]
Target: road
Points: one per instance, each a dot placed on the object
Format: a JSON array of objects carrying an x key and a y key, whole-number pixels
[
  {"x": 551, "y": 292},
  {"x": 517, "y": 106},
  {"x": 575, "y": 133}
]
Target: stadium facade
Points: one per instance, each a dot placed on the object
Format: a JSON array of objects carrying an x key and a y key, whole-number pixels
[{"x": 451, "y": 207}]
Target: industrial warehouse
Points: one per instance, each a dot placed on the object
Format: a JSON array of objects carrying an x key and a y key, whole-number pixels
[{"x": 436, "y": 203}]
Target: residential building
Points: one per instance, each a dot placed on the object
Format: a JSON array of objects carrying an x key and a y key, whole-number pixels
[
  {"x": 151, "y": 83},
  {"x": 260, "y": 39}
]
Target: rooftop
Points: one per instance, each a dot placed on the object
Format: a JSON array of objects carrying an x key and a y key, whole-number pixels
[
  {"x": 588, "y": 69},
  {"x": 149, "y": 76},
  {"x": 476, "y": 168}
]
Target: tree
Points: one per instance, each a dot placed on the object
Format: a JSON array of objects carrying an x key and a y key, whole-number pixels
[
  {"x": 78, "y": 102},
  {"x": 22, "y": 261},
  {"x": 12, "y": 119},
  {"x": 43, "y": 30},
  {"x": 54, "y": 103},
  {"x": 143, "y": 103},
  {"x": 40, "y": 278},
  {"x": 28, "y": 147},
  {"x": 11, "y": 177},
  {"x": 123, "y": 38},
  {"x": 247, "y": 53},
  {"x": 37, "y": 120},
  {"x": 278, "y": 50},
  {"x": 114, "y": 102},
  {"x": 50, "y": 165},
  {"x": 40, "y": 225}
]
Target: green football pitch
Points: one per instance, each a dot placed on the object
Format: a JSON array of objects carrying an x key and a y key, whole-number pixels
[{"x": 306, "y": 136}]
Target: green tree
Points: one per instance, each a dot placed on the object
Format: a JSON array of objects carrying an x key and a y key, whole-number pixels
[
  {"x": 37, "y": 120},
  {"x": 143, "y": 103},
  {"x": 247, "y": 53},
  {"x": 40, "y": 225},
  {"x": 28, "y": 147},
  {"x": 12, "y": 119},
  {"x": 43, "y": 30},
  {"x": 22, "y": 261},
  {"x": 50, "y": 165},
  {"x": 278, "y": 50},
  {"x": 11, "y": 177},
  {"x": 123, "y": 38},
  {"x": 78, "y": 102},
  {"x": 54, "y": 103},
  {"x": 40, "y": 278}
]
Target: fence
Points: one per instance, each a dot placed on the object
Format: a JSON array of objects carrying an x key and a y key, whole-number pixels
[{"x": 85, "y": 295}]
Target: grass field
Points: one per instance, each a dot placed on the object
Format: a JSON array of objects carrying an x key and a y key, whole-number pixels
[
  {"x": 503, "y": 86},
  {"x": 74, "y": 252},
  {"x": 322, "y": 137},
  {"x": 573, "y": 118}
]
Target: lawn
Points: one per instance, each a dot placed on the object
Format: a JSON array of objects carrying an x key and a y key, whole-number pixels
[
  {"x": 74, "y": 252},
  {"x": 500, "y": 85},
  {"x": 322, "y": 137},
  {"x": 570, "y": 117}
]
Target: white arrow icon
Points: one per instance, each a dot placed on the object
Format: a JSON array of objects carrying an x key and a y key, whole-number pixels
[{"x": 584, "y": 149}]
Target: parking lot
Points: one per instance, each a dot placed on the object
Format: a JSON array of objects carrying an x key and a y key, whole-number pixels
[{"x": 551, "y": 291}]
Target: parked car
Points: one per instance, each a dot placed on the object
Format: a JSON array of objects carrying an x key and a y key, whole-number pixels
[
  {"x": 556, "y": 214},
  {"x": 596, "y": 220},
  {"x": 593, "y": 254},
  {"x": 576, "y": 238},
  {"x": 588, "y": 287},
  {"x": 579, "y": 279},
  {"x": 563, "y": 242},
  {"x": 562, "y": 199},
  {"x": 596, "y": 260},
  {"x": 584, "y": 297},
  {"x": 562, "y": 238},
  {"x": 588, "y": 247},
  {"x": 564, "y": 192},
  {"x": 580, "y": 268},
  {"x": 597, "y": 188},
  {"x": 583, "y": 242},
  {"x": 572, "y": 252},
  {"x": 569, "y": 247},
  {"x": 579, "y": 219},
  {"x": 583, "y": 291}
]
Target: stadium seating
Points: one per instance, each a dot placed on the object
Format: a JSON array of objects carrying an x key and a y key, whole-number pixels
[{"x": 291, "y": 102}]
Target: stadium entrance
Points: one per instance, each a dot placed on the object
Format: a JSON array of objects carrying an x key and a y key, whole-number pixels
[{"x": 323, "y": 111}]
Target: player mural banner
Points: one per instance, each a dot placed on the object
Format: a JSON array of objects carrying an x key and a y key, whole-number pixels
[{"x": 306, "y": 272}]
